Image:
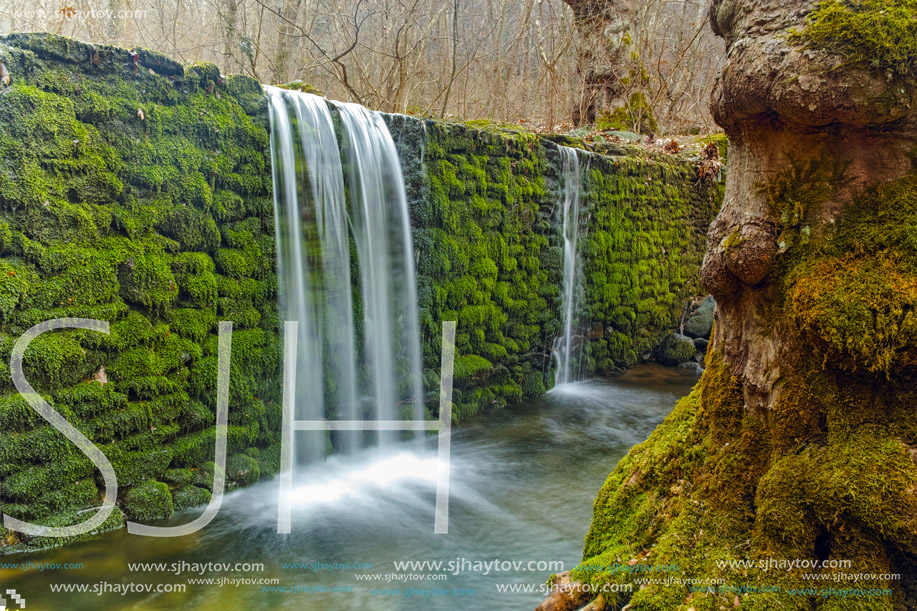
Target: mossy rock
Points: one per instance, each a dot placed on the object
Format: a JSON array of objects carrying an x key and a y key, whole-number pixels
[
  {"x": 204, "y": 476},
  {"x": 675, "y": 349},
  {"x": 700, "y": 324},
  {"x": 179, "y": 477},
  {"x": 302, "y": 86},
  {"x": 269, "y": 461},
  {"x": 149, "y": 501},
  {"x": 242, "y": 470},
  {"x": 189, "y": 496},
  {"x": 132, "y": 468}
]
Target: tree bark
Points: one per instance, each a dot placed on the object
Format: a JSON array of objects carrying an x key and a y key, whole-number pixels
[
  {"x": 800, "y": 441},
  {"x": 602, "y": 40}
]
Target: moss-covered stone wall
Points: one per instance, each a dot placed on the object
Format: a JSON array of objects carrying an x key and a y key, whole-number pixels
[
  {"x": 135, "y": 191},
  {"x": 486, "y": 204},
  {"x": 646, "y": 224}
]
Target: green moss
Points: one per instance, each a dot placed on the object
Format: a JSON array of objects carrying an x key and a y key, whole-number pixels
[
  {"x": 114, "y": 521},
  {"x": 800, "y": 189},
  {"x": 242, "y": 470},
  {"x": 301, "y": 86},
  {"x": 855, "y": 292},
  {"x": 133, "y": 468},
  {"x": 634, "y": 116},
  {"x": 860, "y": 308},
  {"x": 195, "y": 449},
  {"x": 733, "y": 241},
  {"x": 269, "y": 460},
  {"x": 112, "y": 215},
  {"x": 509, "y": 130},
  {"x": 150, "y": 500},
  {"x": 826, "y": 471},
  {"x": 879, "y": 33},
  {"x": 179, "y": 477},
  {"x": 485, "y": 212},
  {"x": 193, "y": 230},
  {"x": 190, "y": 496}
]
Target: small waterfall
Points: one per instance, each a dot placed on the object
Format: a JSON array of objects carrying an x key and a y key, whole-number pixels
[
  {"x": 382, "y": 232},
  {"x": 567, "y": 350},
  {"x": 349, "y": 367}
]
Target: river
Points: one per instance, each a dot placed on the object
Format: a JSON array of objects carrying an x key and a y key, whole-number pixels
[{"x": 522, "y": 485}]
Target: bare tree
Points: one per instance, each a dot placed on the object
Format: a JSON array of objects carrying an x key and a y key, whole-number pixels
[{"x": 506, "y": 60}]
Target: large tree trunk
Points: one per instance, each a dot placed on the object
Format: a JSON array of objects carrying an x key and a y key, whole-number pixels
[
  {"x": 602, "y": 41},
  {"x": 800, "y": 442}
]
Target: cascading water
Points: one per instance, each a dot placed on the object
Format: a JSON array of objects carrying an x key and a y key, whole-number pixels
[
  {"x": 566, "y": 349},
  {"x": 348, "y": 367},
  {"x": 382, "y": 232}
]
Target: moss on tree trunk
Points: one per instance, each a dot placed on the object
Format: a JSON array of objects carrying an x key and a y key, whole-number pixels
[{"x": 800, "y": 442}]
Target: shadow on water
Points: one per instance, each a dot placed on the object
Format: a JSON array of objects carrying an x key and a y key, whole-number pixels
[{"x": 522, "y": 485}]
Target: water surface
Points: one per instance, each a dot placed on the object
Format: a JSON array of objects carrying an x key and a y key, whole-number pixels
[{"x": 523, "y": 482}]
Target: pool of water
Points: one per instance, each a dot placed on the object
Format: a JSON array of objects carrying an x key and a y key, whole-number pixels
[{"x": 522, "y": 485}]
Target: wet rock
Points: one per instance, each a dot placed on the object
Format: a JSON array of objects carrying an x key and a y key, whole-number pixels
[
  {"x": 701, "y": 344},
  {"x": 693, "y": 366},
  {"x": 700, "y": 324},
  {"x": 675, "y": 349},
  {"x": 566, "y": 595}
]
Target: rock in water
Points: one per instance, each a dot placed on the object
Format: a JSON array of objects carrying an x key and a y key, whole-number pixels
[
  {"x": 675, "y": 349},
  {"x": 700, "y": 324}
]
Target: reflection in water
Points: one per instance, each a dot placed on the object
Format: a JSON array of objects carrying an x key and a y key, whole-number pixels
[{"x": 523, "y": 482}]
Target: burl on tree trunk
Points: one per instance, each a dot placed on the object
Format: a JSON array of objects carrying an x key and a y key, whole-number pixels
[
  {"x": 602, "y": 41},
  {"x": 800, "y": 441}
]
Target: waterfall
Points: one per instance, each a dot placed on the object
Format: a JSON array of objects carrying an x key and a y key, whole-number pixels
[
  {"x": 566, "y": 350},
  {"x": 349, "y": 367}
]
